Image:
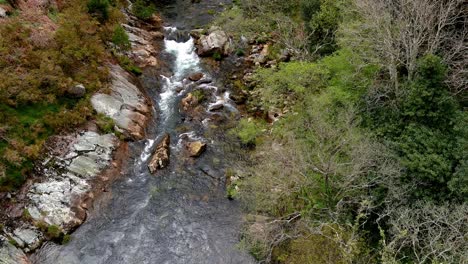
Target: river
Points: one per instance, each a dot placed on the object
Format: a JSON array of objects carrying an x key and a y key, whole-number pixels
[{"x": 181, "y": 214}]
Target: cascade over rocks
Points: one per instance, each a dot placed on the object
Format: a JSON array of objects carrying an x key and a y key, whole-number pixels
[{"x": 160, "y": 158}]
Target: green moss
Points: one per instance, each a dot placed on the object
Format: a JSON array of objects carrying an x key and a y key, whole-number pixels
[
  {"x": 105, "y": 124},
  {"x": 53, "y": 231},
  {"x": 217, "y": 56},
  {"x": 26, "y": 215},
  {"x": 66, "y": 238},
  {"x": 199, "y": 95}
]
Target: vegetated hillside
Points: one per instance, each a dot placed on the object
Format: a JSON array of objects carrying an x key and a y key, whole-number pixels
[
  {"x": 367, "y": 162},
  {"x": 52, "y": 59}
]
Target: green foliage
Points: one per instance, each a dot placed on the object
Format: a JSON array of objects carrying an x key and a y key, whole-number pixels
[
  {"x": 128, "y": 65},
  {"x": 322, "y": 24},
  {"x": 105, "y": 124},
  {"x": 199, "y": 94},
  {"x": 66, "y": 238},
  {"x": 217, "y": 56},
  {"x": 120, "y": 38},
  {"x": 99, "y": 9},
  {"x": 143, "y": 9},
  {"x": 53, "y": 231},
  {"x": 422, "y": 129},
  {"x": 289, "y": 83},
  {"x": 35, "y": 73},
  {"x": 249, "y": 131}
]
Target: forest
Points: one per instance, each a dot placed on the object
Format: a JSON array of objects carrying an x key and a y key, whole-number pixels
[{"x": 367, "y": 160}]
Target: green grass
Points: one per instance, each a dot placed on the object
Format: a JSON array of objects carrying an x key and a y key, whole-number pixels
[{"x": 21, "y": 122}]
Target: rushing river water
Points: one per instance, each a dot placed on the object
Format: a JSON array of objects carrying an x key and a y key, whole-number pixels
[{"x": 179, "y": 216}]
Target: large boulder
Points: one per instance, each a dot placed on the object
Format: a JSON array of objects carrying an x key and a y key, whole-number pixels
[
  {"x": 126, "y": 104},
  {"x": 9, "y": 254},
  {"x": 216, "y": 42},
  {"x": 196, "y": 148},
  {"x": 160, "y": 158}
]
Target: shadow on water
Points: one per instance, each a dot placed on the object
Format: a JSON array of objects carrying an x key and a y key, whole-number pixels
[{"x": 180, "y": 215}]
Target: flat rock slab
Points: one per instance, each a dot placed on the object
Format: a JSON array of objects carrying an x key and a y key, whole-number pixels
[
  {"x": 68, "y": 178},
  {"x": 126, "y": 104}
]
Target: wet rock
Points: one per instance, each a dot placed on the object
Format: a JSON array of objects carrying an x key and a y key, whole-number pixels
[
  {"x": 216, "y": 107},
  {"x": 189, "y": 102},
  {"x": 205, "y": 80},
  {"x": 126, "y": 104},
  {"x": 9, "y": 254},
  {"x": 196, "y": 76},
  {"x": 196, "y": 148},
  {"x": 197, "y": 33},
  {"x": 76, "y": 91},
  {"x": 161, "y": 155},
  {"x": 216, "y": 42}
]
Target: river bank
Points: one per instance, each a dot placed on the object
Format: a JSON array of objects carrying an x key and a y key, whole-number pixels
[{"x": 78, "y": 167}]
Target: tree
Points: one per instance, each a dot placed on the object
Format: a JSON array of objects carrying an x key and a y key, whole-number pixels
[{"x": 400, "y": 32}]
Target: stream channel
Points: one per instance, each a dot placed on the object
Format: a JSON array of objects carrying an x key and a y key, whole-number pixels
[{"x": 180, "y": 215}]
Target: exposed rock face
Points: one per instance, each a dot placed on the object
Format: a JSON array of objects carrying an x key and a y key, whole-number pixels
[
  {"x": 76, "y": 91},
  {"x": 126, "y": 105},
  {"x": 67, "y": 178},
  {"x": 215, "y": 42},
  {"x": 195, "y": 149},
  {"x": 142, "y": 51},
  {"x": 9, "y": 254},
  {"x": 160, "y": 157}
]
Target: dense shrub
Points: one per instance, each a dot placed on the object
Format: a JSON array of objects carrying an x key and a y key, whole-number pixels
[
  {"x": 120, "y": 38},
  {"x": 143, "y": 9},
  {"x": 99, "y": 9}
]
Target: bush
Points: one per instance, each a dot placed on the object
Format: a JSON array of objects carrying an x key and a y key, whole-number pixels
[
  {"x": 105, "y": 124},
  {"x": 53, "y": 232},
  {"x": 249, "y": 131},
  {"x": 120, "y": 38},
  {"x": 143, "y": 10},
  {"x": 99, "y": 9}
]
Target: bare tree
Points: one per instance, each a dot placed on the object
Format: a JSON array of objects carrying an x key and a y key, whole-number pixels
[
  {"x": 430, "y": 233},
  {"x": 401, "y": 31}
]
